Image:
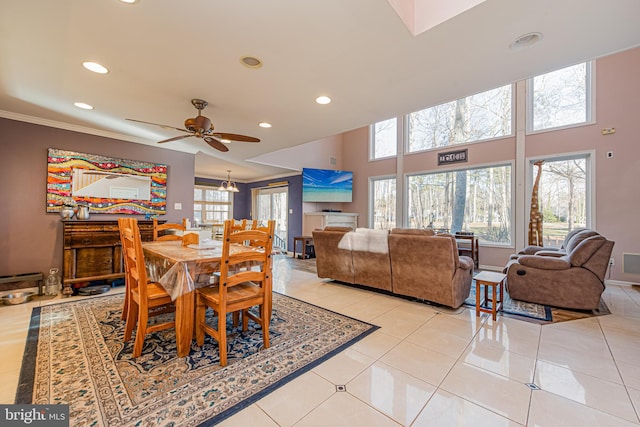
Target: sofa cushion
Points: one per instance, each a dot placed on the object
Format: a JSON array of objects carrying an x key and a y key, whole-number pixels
[
  {"x": 365, "y": 240},
  {"x": 413, "y": 231},
  {"x": 578, "y": 237},
  {"x": 585, "y": 250},
  {"x": 336, "y": 228}
]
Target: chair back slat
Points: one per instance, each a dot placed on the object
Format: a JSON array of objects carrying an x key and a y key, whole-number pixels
[{"x": 157, "y": 228}]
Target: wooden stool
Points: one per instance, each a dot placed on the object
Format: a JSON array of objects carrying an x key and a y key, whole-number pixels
[
  {"x": 494, "y": 280},
  {"x": 306, "y": 240}
]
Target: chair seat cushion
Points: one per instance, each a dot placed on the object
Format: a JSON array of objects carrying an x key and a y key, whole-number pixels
[{"x": 240, "y": 292}]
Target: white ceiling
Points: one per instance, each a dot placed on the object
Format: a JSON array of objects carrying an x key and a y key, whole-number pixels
[{"x": 163, "y": 53}]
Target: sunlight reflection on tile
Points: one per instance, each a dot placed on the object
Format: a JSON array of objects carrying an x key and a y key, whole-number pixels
[
  {"x": 590, "y": 391},
  {"x": 391, "y": 391},
  {"x": 446, "y": 409}
]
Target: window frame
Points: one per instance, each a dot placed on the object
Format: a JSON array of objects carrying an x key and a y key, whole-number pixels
[
  {"x": 371, "y": 196},
  {"x": 372, "y": 140},
  {"x": 408, "y": 151},
  {"x": 204, "y": 203},
  {"x": 590, "y": 182},
  {"x": 590, "y": 100},
  {"x": 457, "y": 168}
]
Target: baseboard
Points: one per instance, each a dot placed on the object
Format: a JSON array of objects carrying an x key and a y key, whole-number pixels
[
  {"x": 620, "y": 283},
  {"x": 490, "y": 268}
]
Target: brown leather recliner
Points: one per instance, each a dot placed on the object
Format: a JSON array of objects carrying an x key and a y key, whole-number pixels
[{"x": 574, "y": 280}]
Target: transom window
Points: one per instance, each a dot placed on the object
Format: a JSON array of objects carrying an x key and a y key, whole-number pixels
[
  {"x": 478, "y": 117},
  {"x": 560, "y": 98},
  {"x": 211, "y": 206},
  {"x": 384, "y": 137},
  {"x": 477, "y": 200}
]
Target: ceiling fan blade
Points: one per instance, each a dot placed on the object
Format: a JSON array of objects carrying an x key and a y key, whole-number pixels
[
  {"x": 175, "y": 138},
  {"x": 156, "y": 124},
  {"x": 216, "y": 144},
  {"x": 235, "y": 137}
]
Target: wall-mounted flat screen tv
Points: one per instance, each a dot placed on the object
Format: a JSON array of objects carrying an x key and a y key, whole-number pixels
[{"x": 324, "y": 185}]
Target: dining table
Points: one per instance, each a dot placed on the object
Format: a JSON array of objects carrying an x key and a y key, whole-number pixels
[{"x": 180, "y": 270}]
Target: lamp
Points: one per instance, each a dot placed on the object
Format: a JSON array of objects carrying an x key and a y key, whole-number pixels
[{"x": 228, "y": 185}]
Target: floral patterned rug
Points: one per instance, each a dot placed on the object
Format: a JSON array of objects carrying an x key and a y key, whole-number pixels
[{"x": 75, "y": 355}]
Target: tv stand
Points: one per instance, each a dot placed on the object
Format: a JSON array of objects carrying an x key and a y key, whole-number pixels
[{"x": 320, "y": 220}]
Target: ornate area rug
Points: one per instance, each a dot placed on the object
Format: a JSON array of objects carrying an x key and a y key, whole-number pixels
[
  {"x": 75, "y": 355},
  {"x": 515, "y": 307}
]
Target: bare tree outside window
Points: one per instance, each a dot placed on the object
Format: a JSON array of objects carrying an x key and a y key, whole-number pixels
[
  {"x": 487, "y": 202},
  {"x": 384, "y": 203},
  {"x": 486, "y": 115},
  {"x": 385, "y": 136},
  {"x": 560, "y": 98},
  {"x": 563, "y": 198}
]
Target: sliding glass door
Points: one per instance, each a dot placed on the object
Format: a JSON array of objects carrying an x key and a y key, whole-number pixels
[{"x": 272, "y": 203}]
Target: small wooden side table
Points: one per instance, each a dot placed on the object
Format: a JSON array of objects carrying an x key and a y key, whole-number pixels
[
  {"x": 306, "y": 241},
  {"x": 495, "y": 281}
]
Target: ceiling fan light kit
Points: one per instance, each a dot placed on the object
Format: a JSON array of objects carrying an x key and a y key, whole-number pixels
[{"x": 201, "y": 127}]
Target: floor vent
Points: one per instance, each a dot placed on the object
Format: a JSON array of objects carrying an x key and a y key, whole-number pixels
[
  {"x": 631, "y": 263},
  {"x": 532, "y": 386}
]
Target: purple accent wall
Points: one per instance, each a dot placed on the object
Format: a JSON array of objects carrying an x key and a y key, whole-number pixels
[{"x": 30, "y": 238}]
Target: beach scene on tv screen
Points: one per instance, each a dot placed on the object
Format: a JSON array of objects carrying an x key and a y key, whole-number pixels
[{"x": 323, "y": 185}]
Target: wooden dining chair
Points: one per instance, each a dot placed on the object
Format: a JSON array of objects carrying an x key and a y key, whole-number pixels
[
  {"x": 238, "y": 289},
  {"x": 242, "y": 224},
  {"x": 157, "y": 228},
  {"x": 145, "y": 298}
]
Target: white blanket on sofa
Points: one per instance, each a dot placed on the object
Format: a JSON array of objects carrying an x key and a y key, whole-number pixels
[{"x": 366, "y": 240}]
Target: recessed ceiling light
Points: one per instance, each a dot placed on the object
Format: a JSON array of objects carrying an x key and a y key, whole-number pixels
[
  {"x": 526, "y": 40},
  {"x": 323, "y": 100},
  {"x": 251, "y": 62},
  {"x": 95, "y": 67},
  {"x": 264, "y": 124},
  {"x": 83, "y": 105},
  {"x": 128, "y": 1}
]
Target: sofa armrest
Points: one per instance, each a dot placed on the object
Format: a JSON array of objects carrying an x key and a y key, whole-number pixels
[
  {"x": 465, "y": 263},
  {"x": 544, "y": 262},
  {"x": 551, "y": 252},
  {"x": 531, "y": 250}
]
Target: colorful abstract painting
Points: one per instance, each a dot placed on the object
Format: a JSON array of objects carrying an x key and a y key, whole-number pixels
[{"x": 105, "y": 184}]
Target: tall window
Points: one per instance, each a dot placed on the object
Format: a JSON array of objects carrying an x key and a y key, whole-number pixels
[
  {"x": 564, "y": 197},
  {"x": 384, "y": 137},
  {"x": 383, "y": 201},
  {"x": 560, "y": 98},
  {"x": 474, "y": 118},
  {"x": 211, "y": 206},
  {"x": 477, "y": 200}
]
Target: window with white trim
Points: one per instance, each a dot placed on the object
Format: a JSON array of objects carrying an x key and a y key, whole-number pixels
[
  {"x": 478, "y": 117},
  {"x": 384, "y": 137},
  {"x": 211, "y": 206},
  {"x": 383, "y": 203},
  {"x": 559, "y": 99},
  {"x": 477, "y": 200},
  {"x": 564, "y": 196}
]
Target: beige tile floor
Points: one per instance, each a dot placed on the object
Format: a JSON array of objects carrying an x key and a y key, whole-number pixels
[{"x": 428, "y": 366}]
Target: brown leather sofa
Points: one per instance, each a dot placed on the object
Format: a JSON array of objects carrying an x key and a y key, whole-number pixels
[
  {"x": 572, "y": 277},
  {"x": 412, "y": 263}
]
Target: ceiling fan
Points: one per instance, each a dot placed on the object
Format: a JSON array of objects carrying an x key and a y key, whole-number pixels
[{"x": 201, "y": 127}]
